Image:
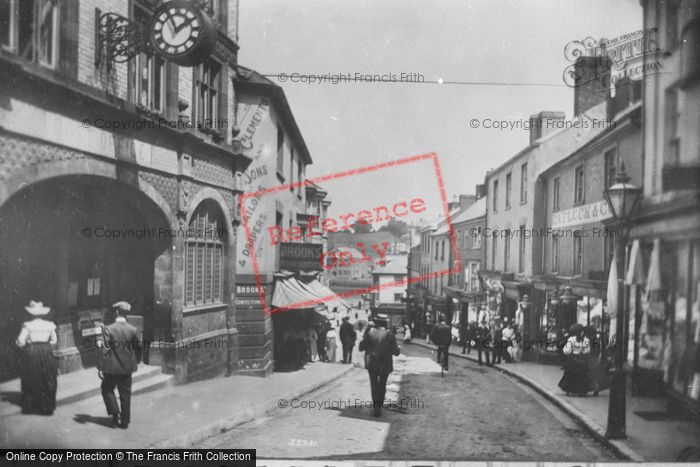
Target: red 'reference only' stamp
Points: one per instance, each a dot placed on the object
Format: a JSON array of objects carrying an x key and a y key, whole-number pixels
[{"x": 409, "y": 204}]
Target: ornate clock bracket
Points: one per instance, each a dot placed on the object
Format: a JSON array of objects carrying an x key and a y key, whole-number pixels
[{"x": 120, "y": 39}]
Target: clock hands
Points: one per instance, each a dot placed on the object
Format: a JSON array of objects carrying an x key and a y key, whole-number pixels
[{"x": 183, "y": 24}]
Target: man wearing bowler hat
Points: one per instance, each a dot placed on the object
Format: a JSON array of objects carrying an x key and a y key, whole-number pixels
[{"x": 121, "y": 353}]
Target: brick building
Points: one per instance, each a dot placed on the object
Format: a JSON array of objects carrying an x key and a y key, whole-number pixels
[{"x": 118, "y": 182}]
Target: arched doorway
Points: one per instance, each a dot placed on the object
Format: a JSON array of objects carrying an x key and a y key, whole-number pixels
[{"x": 78, "y": 243}]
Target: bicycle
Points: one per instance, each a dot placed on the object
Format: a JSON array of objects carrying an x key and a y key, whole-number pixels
[{"x": 442, "y": 357}]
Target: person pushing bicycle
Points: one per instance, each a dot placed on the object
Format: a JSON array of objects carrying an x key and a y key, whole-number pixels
[{"x": 442, "y": 338}]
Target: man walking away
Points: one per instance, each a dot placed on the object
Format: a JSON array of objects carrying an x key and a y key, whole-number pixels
[
  {"x": 379, "y": 345},
  {"x": 121, "y": 353},
  {"x": 347, "y": 339},
  {"x": 442, "y": 338}
]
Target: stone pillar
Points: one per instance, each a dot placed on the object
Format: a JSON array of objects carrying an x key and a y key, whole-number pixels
[
  {"x": 231, "y": 325},
  {"x": 254, "y": 326}
]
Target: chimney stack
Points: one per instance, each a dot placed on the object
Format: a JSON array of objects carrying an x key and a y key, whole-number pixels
[
  {"x": 465, "y": 201},
  {"x": 545, "y": 122},
  {"x": 592, "y": 82}
]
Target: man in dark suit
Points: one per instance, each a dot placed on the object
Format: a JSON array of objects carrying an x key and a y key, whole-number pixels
[
  {"x": 347, "y": 338},
  {"x": 121, "y": 353},
  {"x": 483, "y": 342},
  {"x": 442, "y": 338},
  {"x": 379, "y": 346}
]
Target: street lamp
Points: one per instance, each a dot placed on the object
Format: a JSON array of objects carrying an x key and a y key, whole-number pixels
[{"x": 622, "y": 199}]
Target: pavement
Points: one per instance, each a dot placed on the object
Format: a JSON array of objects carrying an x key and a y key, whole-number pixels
[
  {"x": 657, "y": 440},
  {"x": 171, "y": 416}
]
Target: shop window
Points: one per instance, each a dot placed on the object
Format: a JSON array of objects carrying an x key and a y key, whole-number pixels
[
  {"x": 579, "y": 185},
  {"x": 30, "y": 28},
  {"x": 147, "y": 80},
  {"x": 610, "y": 167},
  {"x": 555, "y": 194},
  {"x": 578, "y": 253},
  {"x": 204, "y": 258},
  {"x": 207, "y": 85},
  {"x": 509, "y": 185},
  {"x": 523, "y": 183}
]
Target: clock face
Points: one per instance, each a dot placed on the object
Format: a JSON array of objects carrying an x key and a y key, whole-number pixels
[{"x": 176, "y": 30}]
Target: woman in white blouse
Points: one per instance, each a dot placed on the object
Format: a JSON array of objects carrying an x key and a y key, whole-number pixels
[
  {"x": 577, "y": 379},
  {"x": 39, "y": 369}
]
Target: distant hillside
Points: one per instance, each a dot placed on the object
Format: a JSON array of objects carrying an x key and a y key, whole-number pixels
[{"x": 349, "y": 239}]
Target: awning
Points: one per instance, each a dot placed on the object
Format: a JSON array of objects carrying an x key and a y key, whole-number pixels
[{"x": 290, "y": 292}]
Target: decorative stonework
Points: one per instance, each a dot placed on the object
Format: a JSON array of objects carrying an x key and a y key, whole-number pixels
[
  {"x": 166, "y": 186},
  {"x": 211, "y": 172},
  {"x": 17, "y": 154}
]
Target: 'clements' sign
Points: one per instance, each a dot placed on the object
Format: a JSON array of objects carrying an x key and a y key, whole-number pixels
[{"x": 586, "y": 214}]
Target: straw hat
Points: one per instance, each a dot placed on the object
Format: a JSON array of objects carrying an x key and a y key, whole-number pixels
[
  {"x": 122, "y": 306},
  {"x": 37, "y": 308}
]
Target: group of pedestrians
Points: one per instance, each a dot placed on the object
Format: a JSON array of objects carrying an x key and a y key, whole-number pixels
[
  {"x": 584, "y": 371},
  {"x": 119, "y": 355},
  {"x": 495, "y": 342}
]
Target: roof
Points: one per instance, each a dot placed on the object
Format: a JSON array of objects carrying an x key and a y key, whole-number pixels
[
  {"x": 395, "y": 264},
  {"x": 622, "y": 117},
  {"x": 474, "y": 211},
  {"x": 443, "y": 226},
  {"x": 250, "y": 79}
]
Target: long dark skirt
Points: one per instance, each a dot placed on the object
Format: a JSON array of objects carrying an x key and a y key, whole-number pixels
[
  {"x": 598, "y": 372},
  {"x": 39, "y": 372},
  {"x": 577, "y": 377}
]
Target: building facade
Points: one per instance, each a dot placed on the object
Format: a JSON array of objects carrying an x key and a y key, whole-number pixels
[
  {"x": 270, "y": 136},
  {"x": 118, "y": 182},
  {"x": 465, "y": 286},
  {"x": 512, "y": 259},
  {"x": 576, "y": 238},
  {"x": 667, "y": 225}
]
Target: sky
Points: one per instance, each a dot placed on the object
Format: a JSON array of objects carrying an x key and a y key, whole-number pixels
[{"x": 511, "y": 51}]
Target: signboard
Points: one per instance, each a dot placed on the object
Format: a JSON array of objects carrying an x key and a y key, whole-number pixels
[
  {"x": 247, "y": 295},
  {"x": 300, "y": 256},
  {"x": 586, "y": 214}
]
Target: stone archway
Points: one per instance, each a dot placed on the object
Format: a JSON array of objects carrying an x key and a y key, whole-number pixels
[{"x": 78, "y": 239}]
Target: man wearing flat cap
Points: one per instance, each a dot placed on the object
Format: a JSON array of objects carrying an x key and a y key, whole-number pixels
[{"x": 121, "y": 353}]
